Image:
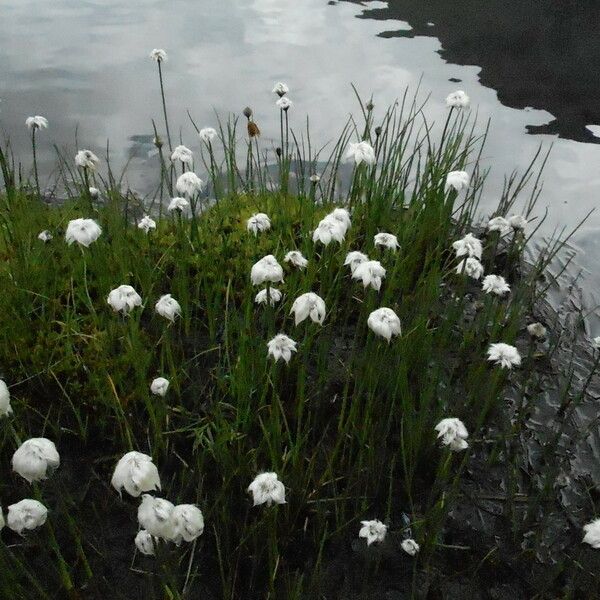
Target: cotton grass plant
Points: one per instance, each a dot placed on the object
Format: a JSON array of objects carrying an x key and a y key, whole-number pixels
[{"x": 345, "y": 407}]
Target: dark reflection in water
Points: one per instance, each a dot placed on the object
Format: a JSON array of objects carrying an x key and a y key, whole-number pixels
[{"x": 543, "y": 54}]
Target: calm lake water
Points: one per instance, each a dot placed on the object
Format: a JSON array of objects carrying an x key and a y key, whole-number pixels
[{"x": 532, "y": 67}]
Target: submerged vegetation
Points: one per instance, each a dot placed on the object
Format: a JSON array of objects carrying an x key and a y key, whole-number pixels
[{"x": 278, "y": 386}]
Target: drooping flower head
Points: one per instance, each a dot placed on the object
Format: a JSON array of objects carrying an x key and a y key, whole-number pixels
[
  {"x": 592, "y": 534},
  {"x": 372, "y": 531},
  {"x": 354, "y": 259},
  {"x": 386, "y": 240},
  {"x": 296, "y": 259},
  {"x": 207, "y": 134},
  {"x": 5, "y": 407},
  {"x": 159, "y": 386},
  {"x": 188, "y": 523},
  {"x": 361, "y": 152},
  {"x": 457, "y": 99},
  {"x": 146, "y": 224},
  {"x": 284, "y": 103},
  {"x": 82, "y": 231},
  {"x": 495, "y": 284},
  {"x": 168, "y": 307},
  {"x": 384, "y": 322},
  {"x": 453, "y": 433},
  {"x": 281, "y": 346},
  {"x": 183, "y": 154},
  {"x": 124, "y": 299},
  {"x": 456, "y": 180},
  {"x": 328, "y": 230},
  {"x": 266, "y": 270},
  {"x": 189, "y": 183},
  {"x": 370, "y": 272},
  {"x": 154, "y": 515},
  {"x": 178, "y": 203},
  {"x": 410, "y": 547},
  {"x": 258, "y": 222},
  {"x": 135, "y": 473},
  {"x": 36, "y": 122},
  {"x": 499, "y": 224},
  {"x": 272, "y": 296},
  {"x": 471, "y": 267},
  {"x": 309, "y": 305},
  {"x": 267, "y": 489},
  {"x": 144, "y": 542},
  {"x": 505, "y": 355},
  {"x": 342, "y": 216},
  {"x": 86, "y": 159},
  {"x": 468, "y": 246},
  {"x": 281, "y": 89},
  {"x": 159, "y": 55},
  {"x": 35, "y": 459},
  {"x": 26, "y": 515}
]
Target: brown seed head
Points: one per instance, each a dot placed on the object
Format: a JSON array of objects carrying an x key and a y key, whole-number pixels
[{"x": 253, "y": 129}]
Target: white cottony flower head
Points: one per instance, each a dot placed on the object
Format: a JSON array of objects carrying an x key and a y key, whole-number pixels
[
  {"x": 295, "y": 258},
  {"x": 309, "y": 305},
  {"x": 495, "y": 284},
  {"x": 329, "y": 229},
  {"x": 136, "y": 473},
  {"x": 266, "y": 488},
  {"x": 159, "y": 386},
  {"x": 592, "y": 534},
  {"x": 45, "y": 236},
  {"x": 361, "y": 152},
  {"x": 384, "y": 322},
  {"x": 178, "y": 203},
  {"x": 207, "y": 134},
  {"x": 266, "y": 270},
  {"x": 183, "y": 154},
  {"x": 124, "y": 299},
  {"x": 372, "y": 531},
  {"x": 354, "y": 259},
  {"x": 457, "y": 99},
  {"x": 26, "y": 515},
  {"x": 453, "y": 433},
  {"x": 281, "y": 89},
  {"x": 273, "y": 296},
  {"x": 517, "y": 222},
  {"x": 370, "y": 273},
  {"x": 144, "y": 542},
  {"x": 168, "y": 307},
  {"x": 471, "y": 267},
  {"x": 468, "y": 246},
  {"x": 342, "y": 216},
  {"x": 596, "y": 342},
  {"x": 146, "y": 224},
  {"x": 281, "y": 346},
  {"x": 154, "y": 515},
  {"x": 35, "y": 458},
  {"x": 536, "y": 330},
  {"x": 36, "y": 122},
  {"x": 258, "y": 222},
  {"x": 505, "y": 355},
  {"x": 457, "y": 180},
  {"x": 410, "y": 547},
  {"x": 86, "y": 159},
  {"x": 5, "y": 407},
  {"x": 82, "y": 231},
  {"x": 188, "y": 523},
  {"x": 499, "y": 224},
  {"x": 159, "y": 55},
  {"x": 284, "y": 103},
  {"x": 189, "y": 183},
  {"x": 94, "y": 192},
  {"x": 386, "y": 240},
  {"x": 315, "y": 178}
]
